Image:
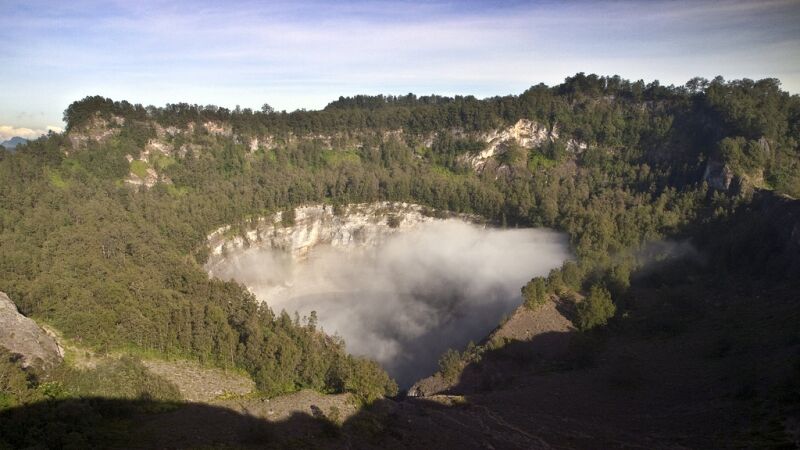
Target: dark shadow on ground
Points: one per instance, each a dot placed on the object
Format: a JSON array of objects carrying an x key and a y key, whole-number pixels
[{"x": 704, "y": 360}]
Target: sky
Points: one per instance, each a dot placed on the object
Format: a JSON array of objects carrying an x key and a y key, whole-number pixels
[{"x": 304, "y": 54}]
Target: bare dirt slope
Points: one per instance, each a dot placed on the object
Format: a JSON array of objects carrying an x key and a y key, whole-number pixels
[
  {"x": 526, "y": 324},
  {"x": 201, "y": 384},
  {"x": 547, "y": 329}
]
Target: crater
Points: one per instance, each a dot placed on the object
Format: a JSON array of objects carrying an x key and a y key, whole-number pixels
[{"x": 398, "y": 283}]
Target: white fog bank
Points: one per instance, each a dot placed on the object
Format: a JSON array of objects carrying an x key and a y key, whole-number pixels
[{"x": 410, "y": 297}]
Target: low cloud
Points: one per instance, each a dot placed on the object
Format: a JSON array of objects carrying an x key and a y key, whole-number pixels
[
  {"x": 8, "y": 131},
  {"x": 409, "y": 299},
  {"x": 666, "y": 251}
]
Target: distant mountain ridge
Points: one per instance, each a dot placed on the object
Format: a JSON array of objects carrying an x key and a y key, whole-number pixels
[{"x": 13, "y": 142}]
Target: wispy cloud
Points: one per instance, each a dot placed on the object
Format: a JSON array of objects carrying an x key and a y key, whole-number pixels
[{"x": 305, "y": 53}]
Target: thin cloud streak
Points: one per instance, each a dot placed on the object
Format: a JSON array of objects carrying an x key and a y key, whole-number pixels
[{"x": 248, "y": 53}]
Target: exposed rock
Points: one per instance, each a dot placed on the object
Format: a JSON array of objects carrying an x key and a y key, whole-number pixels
[
  {"x": 393, "y": 134},
  {"x": 151, "y": 176},
  {"x": 429, "y": 386},
  {"x": 22, "y": 336},
  {"x": 172, "y": 130},
  {"x": 575, "y": 146},
  {"x": 153, "y": 146},
  {"x": 718, "y": 176},
  {"x": 267, "y": 142},
  {"x": 96, "y": 129},
  {"x": 525, "y": 133},
  {"x": 357, "y": 225},
  {"x": 218, "y": 128},
  {"x": 253, "y": 146},
  {"x": 149, "y": 180},
  {"x": 721, "y": 177}
]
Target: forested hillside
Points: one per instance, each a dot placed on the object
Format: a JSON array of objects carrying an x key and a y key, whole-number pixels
[{"x": 115, "y": 261}]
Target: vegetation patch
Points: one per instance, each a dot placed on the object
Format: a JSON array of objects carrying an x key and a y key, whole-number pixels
[
  {"x": 335, "y": 158},
  {"x": 56, "y": 180},
  {"x": 537, "y": 161},
  {"x": 139, "y": 168},
  {"x": 161, "y": 162}
]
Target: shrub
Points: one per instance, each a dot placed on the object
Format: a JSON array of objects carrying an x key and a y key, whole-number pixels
[
  {"x": 596, "y": 309},
  {"x": 288, "y": 217},
  {"x": 368, "y": 381},
  {"x": 450, "y": 365},
  {"x": 394, "y": 221},
  {"x": 534, "y": 293}
]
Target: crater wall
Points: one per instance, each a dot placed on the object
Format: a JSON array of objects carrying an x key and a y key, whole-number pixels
[{"x": 398, "y": 284}]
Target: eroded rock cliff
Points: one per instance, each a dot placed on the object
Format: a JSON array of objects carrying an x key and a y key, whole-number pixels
[{"x": 353, "y": 225}]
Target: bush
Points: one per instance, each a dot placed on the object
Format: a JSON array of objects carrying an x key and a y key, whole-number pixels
[
  {"x": 368, "y": 381},
  {"x": 571, "y": 275},
  {"x": 17, "y": 385},
  {"x": 534, "y": 294},
  {"x": 450, "y": 365},
  {"x": 596, "y": 309}
]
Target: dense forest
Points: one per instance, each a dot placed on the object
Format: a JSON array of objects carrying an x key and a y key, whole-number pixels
[{"x": 119, "y": 266}]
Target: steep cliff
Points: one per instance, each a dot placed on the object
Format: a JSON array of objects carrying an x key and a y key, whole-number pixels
[
  {"x": 357, "y": 225},
  {"x": 166, "y": 143}
]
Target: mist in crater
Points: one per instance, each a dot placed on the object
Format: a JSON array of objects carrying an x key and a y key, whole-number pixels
[{"x": 408, "y": 299}]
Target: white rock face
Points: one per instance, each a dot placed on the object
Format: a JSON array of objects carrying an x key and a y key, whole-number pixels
[
  {"x": 96, "y": 129},
  {"x": 218, "y": 128},
  {"x": 253, "y": 145},
  {"x": 21, "y": 335},
  {"x": 575, "y": 146},
  {"x": 358, "y": 226},
  {"x": 525, "y": 133}
]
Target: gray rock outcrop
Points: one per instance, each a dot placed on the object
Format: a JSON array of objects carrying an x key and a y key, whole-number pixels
[{"x": 22, "y": 336}]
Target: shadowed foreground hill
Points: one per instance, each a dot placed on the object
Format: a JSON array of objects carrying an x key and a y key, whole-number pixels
[{"x": 709, "y": 384}]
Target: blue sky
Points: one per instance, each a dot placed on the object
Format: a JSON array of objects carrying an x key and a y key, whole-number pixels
[{"x": 303, "y": 54}]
